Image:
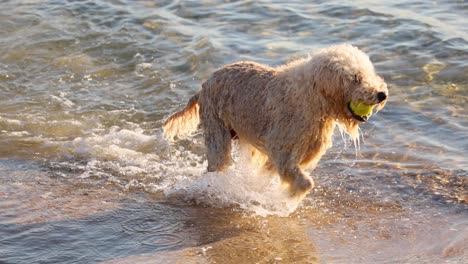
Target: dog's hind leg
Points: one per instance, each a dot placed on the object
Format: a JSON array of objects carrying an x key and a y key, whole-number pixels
[{"x": 218, "y": 143}]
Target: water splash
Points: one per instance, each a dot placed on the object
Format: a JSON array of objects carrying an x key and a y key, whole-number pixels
[
  {"x": 241, "y": 185},
  {"x": 134, "y": 160}
]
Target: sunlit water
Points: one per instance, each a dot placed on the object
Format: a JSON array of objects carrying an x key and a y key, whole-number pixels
[{"x": 86, "y": 177}]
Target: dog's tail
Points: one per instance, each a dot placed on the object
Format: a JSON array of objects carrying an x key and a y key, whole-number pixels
[{"x": 184, "y": 122}]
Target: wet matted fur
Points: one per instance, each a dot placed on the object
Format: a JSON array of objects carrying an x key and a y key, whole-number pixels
[{"x": 286, "y": 115}]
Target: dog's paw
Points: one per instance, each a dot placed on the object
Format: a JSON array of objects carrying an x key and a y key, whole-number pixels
[{"x": 301, "y": 186}]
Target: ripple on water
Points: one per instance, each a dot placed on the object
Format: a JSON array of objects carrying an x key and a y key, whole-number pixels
[{"x": 156, "y": 225}]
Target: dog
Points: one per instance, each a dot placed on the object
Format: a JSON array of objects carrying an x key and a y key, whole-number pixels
[{"x": 286, "y": 115}]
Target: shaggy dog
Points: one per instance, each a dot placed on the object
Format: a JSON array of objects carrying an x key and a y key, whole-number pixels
[{"x": 286, "y": 114}]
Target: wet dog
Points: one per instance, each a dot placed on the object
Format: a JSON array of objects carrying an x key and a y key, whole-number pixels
[{"x": 285, "y": 114}]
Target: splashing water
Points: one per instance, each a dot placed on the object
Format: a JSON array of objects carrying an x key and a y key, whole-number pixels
[
  {"x": 131, "y": 159},
  {"x": 242, "y": 185}
]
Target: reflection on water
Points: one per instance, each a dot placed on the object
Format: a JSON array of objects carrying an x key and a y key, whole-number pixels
[{"x": 86, "y": 177}]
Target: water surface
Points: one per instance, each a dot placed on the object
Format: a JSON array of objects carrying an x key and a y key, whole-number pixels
[{"x": 86, "y": 177}]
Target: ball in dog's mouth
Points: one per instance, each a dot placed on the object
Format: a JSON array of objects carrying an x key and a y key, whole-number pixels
[{"x": 360, "y": 111}]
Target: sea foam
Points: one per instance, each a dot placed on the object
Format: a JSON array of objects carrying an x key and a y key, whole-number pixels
[{"x": 134, "y": 159}]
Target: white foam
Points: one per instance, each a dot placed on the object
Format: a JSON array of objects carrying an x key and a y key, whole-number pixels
[
  {"x": 117, "y": 145},
  {"x": 19, "y": 133},
  {"x": 242, "y": 185},
  {"x": 8, "y": 121},
  {"x": 136, "y": 160},
  {"x": 62, "y": 100},
  {"x": 260, "y": 194}
]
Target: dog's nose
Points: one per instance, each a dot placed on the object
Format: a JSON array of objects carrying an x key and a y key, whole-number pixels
[{"x": 381, "y": 96}]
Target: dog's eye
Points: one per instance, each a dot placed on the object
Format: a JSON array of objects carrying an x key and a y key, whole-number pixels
[{"x": 357, "y": 79}]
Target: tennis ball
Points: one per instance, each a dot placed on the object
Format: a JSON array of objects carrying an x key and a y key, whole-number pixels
[{"x": 360, "y": 108}]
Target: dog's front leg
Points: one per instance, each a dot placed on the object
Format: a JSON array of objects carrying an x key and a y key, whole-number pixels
[{"x": 290, "y": 173}]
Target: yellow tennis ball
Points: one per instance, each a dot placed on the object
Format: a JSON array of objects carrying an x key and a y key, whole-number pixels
[{"x": 360, "y": 108}]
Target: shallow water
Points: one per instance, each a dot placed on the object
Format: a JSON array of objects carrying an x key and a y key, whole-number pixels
[{"x": 86, "y": 177}]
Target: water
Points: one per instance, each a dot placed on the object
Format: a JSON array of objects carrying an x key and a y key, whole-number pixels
[{"x": 86, "y": 177}]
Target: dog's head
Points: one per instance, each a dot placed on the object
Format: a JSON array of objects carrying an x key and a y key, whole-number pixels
[
  {"x": 364, "y": 92},
  {"x": 349, "y": 84}
]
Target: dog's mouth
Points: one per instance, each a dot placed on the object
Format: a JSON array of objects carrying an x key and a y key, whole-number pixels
[{"x": 360, "y": 118}]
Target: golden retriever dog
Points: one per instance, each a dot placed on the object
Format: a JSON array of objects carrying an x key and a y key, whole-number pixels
[{"x": 285, "y": 114}]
